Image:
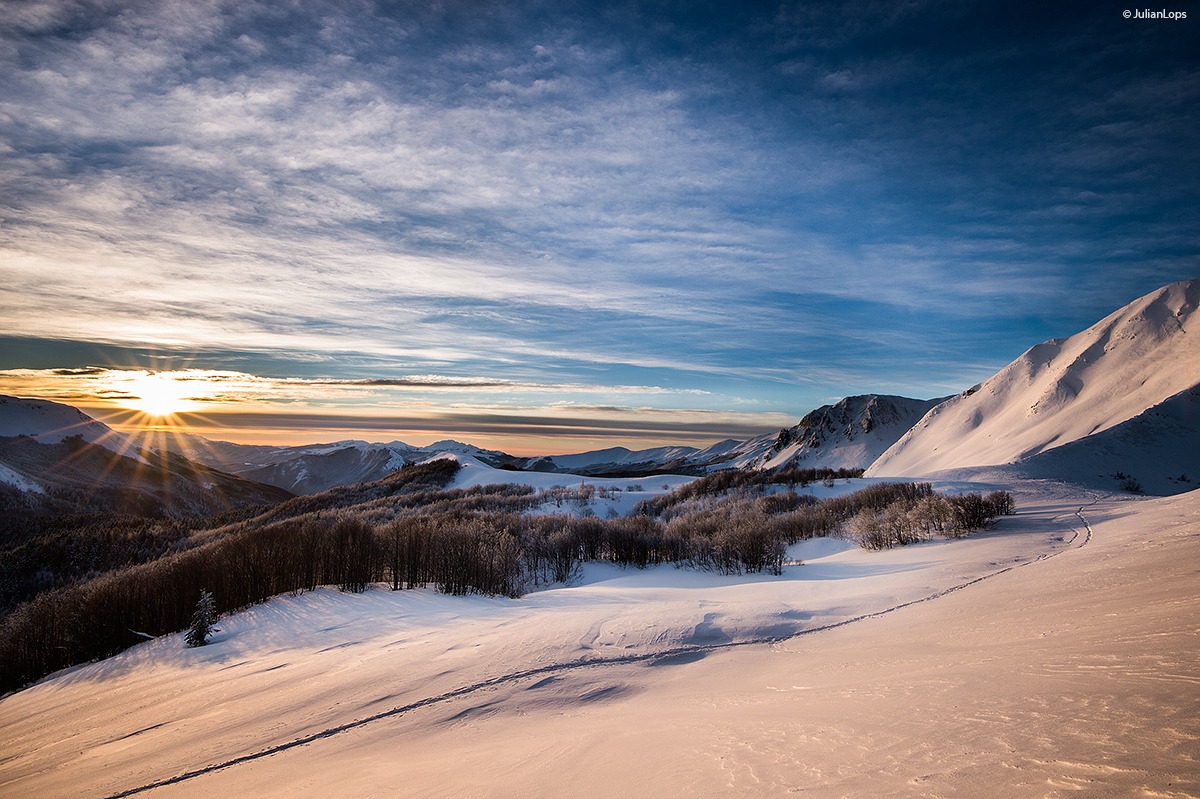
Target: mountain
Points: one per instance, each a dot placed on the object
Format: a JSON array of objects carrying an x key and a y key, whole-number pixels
[
  {"x": 51, "y": 422},
  {"x": 312, "y": 468},
  {"x": 55, "y": 458},
  {"x": 1141, "y": 359},
  {"x": 849, "y": 434},
  {"x": 617, "y": 462},
  {"x": 314, "y": 472},
  {"x": 307, "y": 469}
]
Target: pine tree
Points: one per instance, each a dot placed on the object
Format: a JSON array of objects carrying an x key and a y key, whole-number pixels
[{"x": 202, "y": 620}]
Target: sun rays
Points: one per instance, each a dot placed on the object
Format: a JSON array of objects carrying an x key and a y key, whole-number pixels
[
  {"x": 158, "y": 395},
  {"x": 150, "y": 410}
]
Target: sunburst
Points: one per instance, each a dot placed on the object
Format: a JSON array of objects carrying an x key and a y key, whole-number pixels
[{"x": 158, "y": 395}]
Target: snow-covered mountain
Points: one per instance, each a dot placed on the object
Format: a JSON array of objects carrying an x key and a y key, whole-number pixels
[
  {"x": 614, "y": 460},
  {"x": 1069, "y": 390},
  {"x": 314, "y": 472},
  {"x": 312, "y": 468},
  {"x": 50, "y": 422},
  {"x": 849, "y": 434},
  {"x": 304, "y": 469}
]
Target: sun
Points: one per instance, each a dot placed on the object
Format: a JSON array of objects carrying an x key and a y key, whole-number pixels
[{"x": 156, "y": 394}]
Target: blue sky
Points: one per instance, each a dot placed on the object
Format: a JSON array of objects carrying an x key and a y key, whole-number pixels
[{"x": 679, "y": 221}]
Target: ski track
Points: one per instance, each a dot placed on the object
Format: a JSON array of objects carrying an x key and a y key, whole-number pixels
[{"x": 553, "y": 668}]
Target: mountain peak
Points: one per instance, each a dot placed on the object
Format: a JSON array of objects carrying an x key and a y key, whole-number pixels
[
  {"x": 849, "y": 434},
  {"x": 1062, "y": 390}
]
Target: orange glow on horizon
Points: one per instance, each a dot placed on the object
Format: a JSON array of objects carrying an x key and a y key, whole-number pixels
[
  {"x": 214, "y": 428},
  {"x": 160, "y": 404}
]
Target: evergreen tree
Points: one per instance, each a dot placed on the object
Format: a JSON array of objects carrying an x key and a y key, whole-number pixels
[{"x": 202, "y": 620}]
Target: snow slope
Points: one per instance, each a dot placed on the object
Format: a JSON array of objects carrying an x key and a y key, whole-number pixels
[
  {"x": 1062, "y": 390},
  {"x": 19, "y": 481},
  {"x": 613, "y": 496},
  {"x": 1071, "y": 666},
  {"x": 1158, "y": 449},
  {"x": 51, "y": 422}
]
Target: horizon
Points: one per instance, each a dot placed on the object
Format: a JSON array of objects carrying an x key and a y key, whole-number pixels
[{"x": 551, "y": 228}]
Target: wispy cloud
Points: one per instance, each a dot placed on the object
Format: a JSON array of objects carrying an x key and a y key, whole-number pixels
[{"x": 766, "y": 204}]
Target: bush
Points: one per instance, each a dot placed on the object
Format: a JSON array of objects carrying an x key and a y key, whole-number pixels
[
  {"x": 1001, "y": 503},
  {"x": 1131, "y": 485}
]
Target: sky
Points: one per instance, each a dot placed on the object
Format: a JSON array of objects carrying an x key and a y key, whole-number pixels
[{"x": 554, "y": 226}]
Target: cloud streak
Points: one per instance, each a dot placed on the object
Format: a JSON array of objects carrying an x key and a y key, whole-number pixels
[{"x": 759, "y": 206}]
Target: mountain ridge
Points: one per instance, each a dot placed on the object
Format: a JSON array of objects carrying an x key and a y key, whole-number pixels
[{"x": 1061, "y": 390}]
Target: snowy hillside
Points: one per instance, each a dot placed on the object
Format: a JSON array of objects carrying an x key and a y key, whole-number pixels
[
  {"x": 897, "y": 673},
  {"x": 1062, "y": 390},
  {"x": 850, "y": 434},
  {"x": 51, "y": 422},
  {"x": 70, "y": 476},
  {"x": 605, "y": 497},
  {"x": 1157, "y": 451},
  {"x": 44, "y": 468}
]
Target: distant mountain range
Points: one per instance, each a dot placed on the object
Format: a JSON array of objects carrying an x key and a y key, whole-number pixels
[
  {"x": 1118, "y": 403},
  {"x": 849, "y": 434}
]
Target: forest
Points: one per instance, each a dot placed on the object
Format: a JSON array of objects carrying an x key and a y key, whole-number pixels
[{"x": 409, "y": 530}]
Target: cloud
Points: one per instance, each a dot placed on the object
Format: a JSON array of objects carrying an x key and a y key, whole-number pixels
[
  {"x": 104, "y": 384},
  {"x": 728, "y": 201}
]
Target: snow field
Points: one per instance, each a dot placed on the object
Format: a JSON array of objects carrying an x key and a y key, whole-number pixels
[{"x": 398, "y": 669}]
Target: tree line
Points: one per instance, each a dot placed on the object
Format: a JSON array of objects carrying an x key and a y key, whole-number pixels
[{"x": 459, "y": 541}]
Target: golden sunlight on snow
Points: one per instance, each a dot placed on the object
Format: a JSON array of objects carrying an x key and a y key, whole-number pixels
[{"x": 1071, "y": 667}]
